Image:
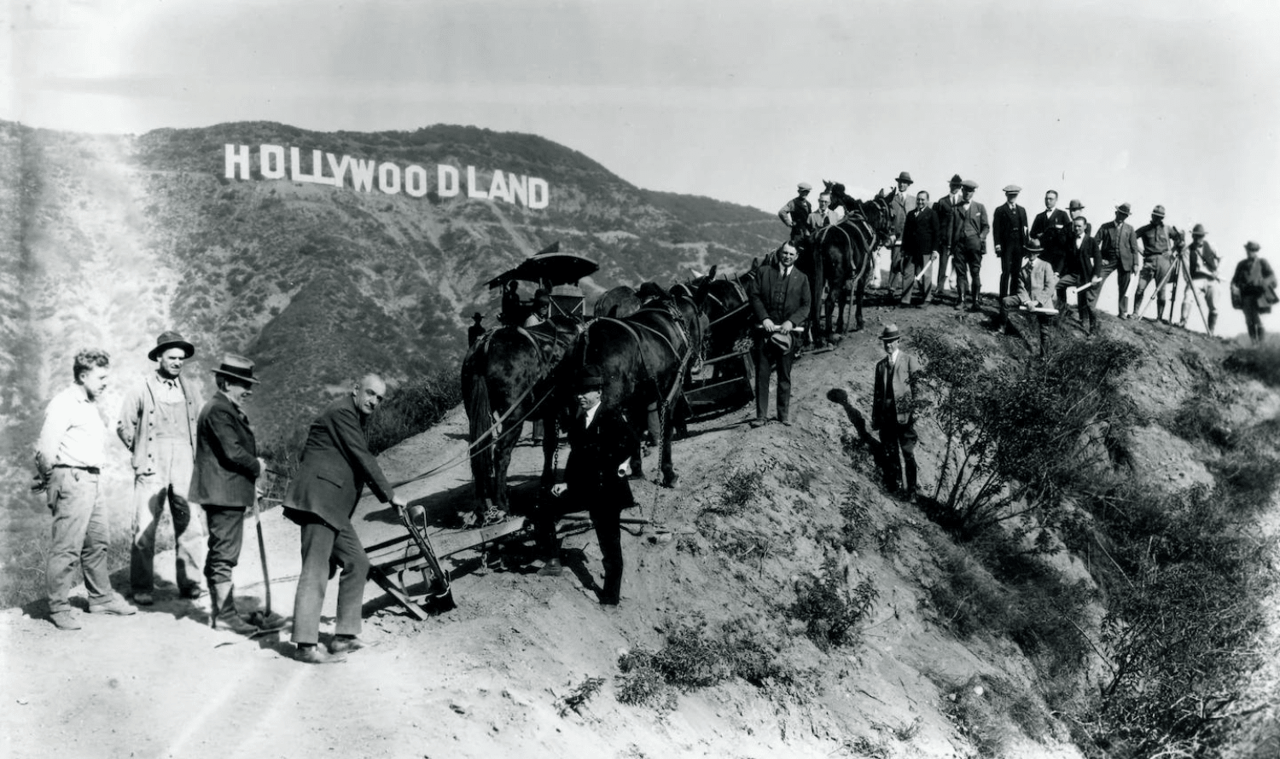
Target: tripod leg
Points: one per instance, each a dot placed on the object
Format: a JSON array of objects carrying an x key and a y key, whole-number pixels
[
  {"x": 1195, "y": 294},
  {"x": 1147, "y": 301}
]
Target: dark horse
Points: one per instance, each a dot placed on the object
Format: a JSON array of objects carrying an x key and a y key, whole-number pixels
[
  {"x": 644, "y": 359},
  {"x": 841, "y": 256},
  {"x": 509, "y": 374}
]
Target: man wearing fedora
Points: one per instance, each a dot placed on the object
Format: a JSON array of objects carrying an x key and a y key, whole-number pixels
[
  {"x": 795, "y": 214},
  {"x": 1156, "y": 244},
  {"x": 1052, "y": 227},
  {"x": 1202, "y": 262},
  {"x": 158, "y": 425},
  {"x": 69, "y": 456},
  {"x": 333, "y": 470},
  {"x": 1009, "y": 231},
  {"x": 601, "y": 444},
  {"x": 893, "y": 411},
  {"x": 227, "y": 468},
  {"x": 780, "y": 299},
  {"x": 1036, "y": 288},
  {"x": 896, "y": 197},
  {"x": 476, "y": 330},
  {"x": 970, "y": 243},
  {"x": 1253, "y": 288},
  {"x": 945, "y": 209},
  {"x": 1076, "y": 208},
  {"x": 1117, "y": 252}
]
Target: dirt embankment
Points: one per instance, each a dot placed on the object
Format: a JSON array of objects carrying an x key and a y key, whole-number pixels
[{"x": 490, "y": 678}]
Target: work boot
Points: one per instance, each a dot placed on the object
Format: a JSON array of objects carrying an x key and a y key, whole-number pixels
[
  {"x": 313, "y": 654},
  {"x": 1213, "y": 321},
  {"x": 222, "y": 598},
  {"x": 343, "y": 644},
  {"x": 116, "y": 606},
  {"x": 64, "y": 619}
]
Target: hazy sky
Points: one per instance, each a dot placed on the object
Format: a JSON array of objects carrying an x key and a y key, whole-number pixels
[{"x": 1148, "y": 102}]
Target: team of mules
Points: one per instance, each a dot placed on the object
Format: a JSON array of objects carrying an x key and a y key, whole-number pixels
[{"x": 646, "y": 343}]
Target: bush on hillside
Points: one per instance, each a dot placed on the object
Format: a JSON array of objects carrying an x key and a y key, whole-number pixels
[
  {"x": 414, "y": 407},
  {"x": 832, "y": 607},
  {"x": 1261, "y": 363}
]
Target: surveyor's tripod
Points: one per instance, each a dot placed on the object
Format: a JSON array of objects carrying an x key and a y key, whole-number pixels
[{"x": 1179, "y": 265}]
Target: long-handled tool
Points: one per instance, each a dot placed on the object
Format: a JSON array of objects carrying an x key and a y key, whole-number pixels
[{"x": 263, "y": 619}]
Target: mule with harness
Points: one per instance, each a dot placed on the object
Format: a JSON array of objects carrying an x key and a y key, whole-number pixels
[{"x": 843, "y": 260}]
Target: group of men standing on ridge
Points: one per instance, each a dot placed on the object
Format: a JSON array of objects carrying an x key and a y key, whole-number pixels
[
  {"x": 954, "y": 230},
  {"x": 201, "y": 459}
]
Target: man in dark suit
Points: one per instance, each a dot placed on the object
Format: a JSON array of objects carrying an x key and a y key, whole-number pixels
[
  {"x": 334, "y": 468},
  {"x": 1118, "y": 251},
  {"x": 969, "y": 244},
  {"x": 1009, "y": 225},
  {"x": 601, "y": 444},
  {"x": 223, "y": 481},
  {"x": 476, "y": 330},
  {"x": 893, "y": 410},
  {"x": 1052, "y": 227},
  {"x": 1081, "y": 266},
  {"x": 945, "y": 210},
  {"x": 780, "y": 298},
  {"x": 921, "y": 238}
]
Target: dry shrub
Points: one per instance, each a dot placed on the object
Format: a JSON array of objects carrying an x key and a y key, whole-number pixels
[{"x": 832, "y": 607}]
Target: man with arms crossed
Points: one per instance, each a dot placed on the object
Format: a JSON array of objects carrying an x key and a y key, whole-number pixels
[{"x": 1118, "y": 252}]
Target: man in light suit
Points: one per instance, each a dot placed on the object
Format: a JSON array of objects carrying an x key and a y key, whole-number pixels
[
  {"x": 1118, "y": 252},
  {"x": 969, "y": 244},
  {"x": 1009, "y": 226},
  {"x": 334, "y": 468},
  {"x": 780, "y": 299},
  {"x": 893, "y": 410},
  {"x": 601, "y": 444},
  {"x": 223, "y": 481}
]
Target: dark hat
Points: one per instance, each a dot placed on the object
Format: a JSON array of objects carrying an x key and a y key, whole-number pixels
[
  {"x": 890, "y": 333},
  {"x": 477, "y": 316},
  {"x": 1075, "y": 205},
  {"x": 955, "y": 180},
  {"x": 1033, "y": 246},
  {"x": 1158, "y": 211},
  {"x": 236, "y": 367},
  {"x": 1124, "y": 208},
  {"x": 1198, "y": 230},
  {"x": 804, "y": 187},
  {"x": 590, "y": 379},
  {"x": 1012, "y": 189},
  {"x": 969, "y": 184},
  {"x": 782, "y": 340},
  {"x": 1253, "y": 246},
  {"x": 904, "y": 177},
  {"x": 169, "y": 340}
]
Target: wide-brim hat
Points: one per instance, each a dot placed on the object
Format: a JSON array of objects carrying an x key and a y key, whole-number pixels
[
  {"x": 1012, "y": 189},
  {"x": 969, "y": 184},
  {"x": 1075, "y": 205},
  {"x": 1125, "y": 209},
  {"x": 236, "y": 367},
  {"x": 955, "y": 180},
  {"x": 1198, "y": 230},
  {"x": 904, "y": 177},
  {"x": 1158, "y": 211},
  {"x": 782, "y": 340},
  {"x": 1033, "y": 246},
  {"x": 590, "y": 379},
  {"x": 477, "y": 316},
  {"x": 169, "y": 340},
  {"x": 890, "y": 333}
]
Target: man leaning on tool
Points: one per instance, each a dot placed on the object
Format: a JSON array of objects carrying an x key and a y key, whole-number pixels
[
  {"x": 780, "y": 299},
  {"x": 69, "y": 457},
  {"x": 226, "y": 470},
  {"x": 334, "y": 468},
  {"x": 158, "y": 425}
]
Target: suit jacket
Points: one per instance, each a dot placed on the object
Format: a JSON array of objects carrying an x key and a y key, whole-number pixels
[
  {"x": 1038, "y": 283},
  {"x": 226, "y": 461},
  {"x": 771, "y": 298},
  {"x": 595, "y": 454},
  {"x": 946, "y": 211},
  {"x": 902, "y": 380},
  {"x": 897, "y": 211},
  {"x": 1053, "y": 231},
  {"x": 1118, "y": 242},
  {"x": 971, "y": 228},
  {"x": 335, "y": 466},
  {"x": 1084, "y": 261},
  {"x": 921, "y": 235},
  {"x": 1010, "y": 229},
  {"x": 137, "y": 422}
]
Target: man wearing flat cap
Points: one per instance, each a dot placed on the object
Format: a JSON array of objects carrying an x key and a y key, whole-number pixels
[
  {"x": 1052, "y": 227},
  {"x": 795, "y": 214},
  {"x": 1253, "y": 287},
  {"x": 971, "y": 228},
  {"x": 1155, "y": 240},
  {"x": 1009, "y": 229},
  {"x": 779, "y": 298},
  {"x": 1118, "y": 252},
  {"x": 945, "y": 209},
  {"x": 1202, "y": 263},
  {"x": 601, "y": 444},
  {"x": 157, "y": 424},
  {"x": 227, "y": 468},
  {"x": 893, "y": 411}
]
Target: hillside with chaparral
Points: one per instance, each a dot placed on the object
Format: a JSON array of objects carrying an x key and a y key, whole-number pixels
[{"x": 1090, "y": 571}]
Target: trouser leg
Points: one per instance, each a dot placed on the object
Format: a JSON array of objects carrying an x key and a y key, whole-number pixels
[
  {"x": 606, "y": 519},
  {"x": 784, "y": 385},
  {"x": 975, "y": 279},
  {"x": 889, "y": 441},
  {"x": 907, "y": 442},
  {"x": 764, "y": 372},
  {"x": 909, "y": 270},
  {"x": 317, "y": 546},
  {"x": 962, "y": 277},
  {"x": 1123, "y": 279},
  {"x": 355, "y": 573},
  {"x": 79, "y": 537},
  {"x": 226, "y": 539}
]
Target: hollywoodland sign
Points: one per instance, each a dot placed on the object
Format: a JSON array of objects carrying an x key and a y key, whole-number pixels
[{"x": 365, "y": 175}]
